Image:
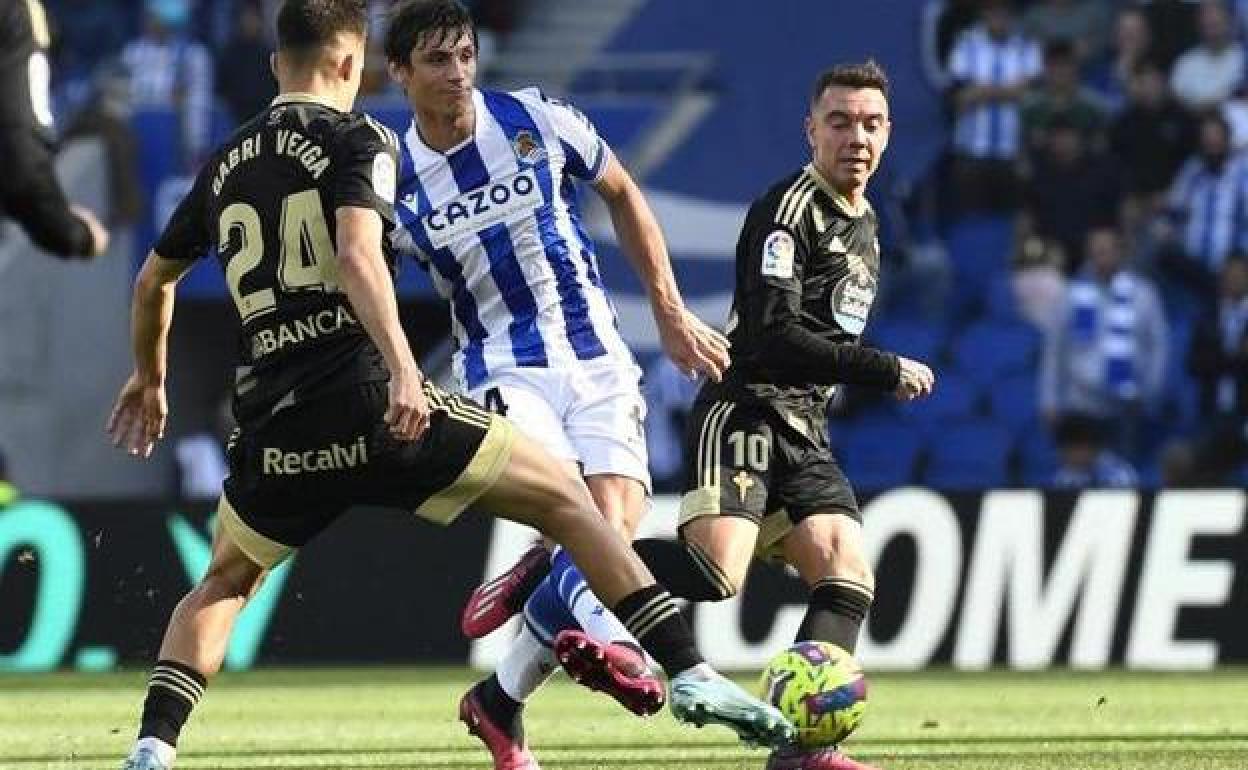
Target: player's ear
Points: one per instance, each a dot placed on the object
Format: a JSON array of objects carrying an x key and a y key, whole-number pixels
[
  {"x": 808, "y": 126},
  {"x": 396, "y": 73},
  {"x": 346, "y": 67},
  {"x": 273, "y": 63}
]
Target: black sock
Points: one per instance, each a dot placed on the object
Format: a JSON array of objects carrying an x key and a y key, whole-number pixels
[
  {"x": 835, "y": 612},
  {"x": 651, "y": 615},
  {"x": 502, "y": 708},
  {"x": 685, "y": 570},
  {"x": 172, "y": 691}
]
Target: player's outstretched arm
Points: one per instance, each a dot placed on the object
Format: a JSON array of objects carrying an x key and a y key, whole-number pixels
[
  {"x": 367, "y": 282},
  {"x": 137, "y": 421},
  {"x": 692, "y": 345}
]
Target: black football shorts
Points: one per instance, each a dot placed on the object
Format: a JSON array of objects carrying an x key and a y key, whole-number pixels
[{"x": 294, "y": 476}]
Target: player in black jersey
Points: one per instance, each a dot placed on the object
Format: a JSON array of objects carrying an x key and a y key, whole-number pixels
[
  {"x": 29, "y": 190},
  {"x": 761, "y": 479},
  {"x": 332, "y": 408}
]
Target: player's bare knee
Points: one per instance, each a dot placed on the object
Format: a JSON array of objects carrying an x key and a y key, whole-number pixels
[{"x": 852, "y": 568}]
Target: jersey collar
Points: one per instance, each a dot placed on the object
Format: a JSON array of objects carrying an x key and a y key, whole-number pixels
[
  {"x": 840, "y": 200},
  {"x": 303, "y": 96}
]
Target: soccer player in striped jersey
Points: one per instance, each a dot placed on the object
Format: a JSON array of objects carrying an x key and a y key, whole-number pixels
[
  {"x": 488, "y": 206},
  {"x": 333, "y": 412}
]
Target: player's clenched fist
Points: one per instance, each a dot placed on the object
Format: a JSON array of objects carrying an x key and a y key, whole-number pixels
[
  {"x": 408, "y": 412},
  {"x": 916, "y": 379}
]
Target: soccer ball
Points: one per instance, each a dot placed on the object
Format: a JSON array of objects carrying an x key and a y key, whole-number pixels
[{"x": 820, "y": 688}]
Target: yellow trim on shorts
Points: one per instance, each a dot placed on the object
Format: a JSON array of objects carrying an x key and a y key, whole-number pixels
[
  {"x": 260, "y": 549},
  {"x": 770, "y": 543},
  {"x": 477, "y": 478},
  {"x": 703, "y": 501},
  {"x": 775, "y": 526}
]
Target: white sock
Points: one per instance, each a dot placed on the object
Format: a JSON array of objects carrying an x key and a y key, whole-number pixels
[
  {"x": 526, "y": 666},
  {"x": 598, "y": 621},
  {"x": 595, "y": 619},
  {"x": 163, "y": 751}
]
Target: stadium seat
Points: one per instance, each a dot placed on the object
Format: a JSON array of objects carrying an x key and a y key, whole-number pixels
[
  {"x": 979, "y": 248},
  {"x": 990, "y": 350},
  {"x": 1014, "y": 400},
  {"x": 1182, "y": 394},
  {"x": 1037, "y": 455},
  {"x": 999, "y": 302},
  {"x": 879, "y": 453},
  {"x": 955, "y": 397},
  {"x": 911, "y": 338},
  {"x": 972, "y": 454}
]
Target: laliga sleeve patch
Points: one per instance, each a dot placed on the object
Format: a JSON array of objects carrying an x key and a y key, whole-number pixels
[
  {"x": 384, "y": 176},
  {"x": 778, "y": 251}
]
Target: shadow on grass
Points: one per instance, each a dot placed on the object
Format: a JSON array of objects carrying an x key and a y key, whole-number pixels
[{"x": 466, "y": 757}]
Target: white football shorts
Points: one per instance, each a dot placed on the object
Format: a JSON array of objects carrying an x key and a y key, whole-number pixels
[{"x": 591, "y": 413}]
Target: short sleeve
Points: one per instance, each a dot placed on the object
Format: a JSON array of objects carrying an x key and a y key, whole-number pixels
[
  {"x": 367, "y": 160},
  {"x": 585, "y": 151},
  {"x": 188, "y": 235}
]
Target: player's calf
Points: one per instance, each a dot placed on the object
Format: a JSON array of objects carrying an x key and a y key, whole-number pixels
[{"x": 686, "y": 569}]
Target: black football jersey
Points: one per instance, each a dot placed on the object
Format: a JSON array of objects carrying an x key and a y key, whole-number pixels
[
  {"x": 266, "y": 202},
  {"x": 807, "y": 271}
]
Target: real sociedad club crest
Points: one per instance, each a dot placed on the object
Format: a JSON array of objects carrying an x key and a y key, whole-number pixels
[{"x": 527, "y": 149}]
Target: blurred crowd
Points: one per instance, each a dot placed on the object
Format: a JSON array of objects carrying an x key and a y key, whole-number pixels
[
  {"x": 1094, "y": 195},
  {"x": 193, "y": 56},
  {"x": 1111, "y": 137},
  {"x": 1075, "y": 266}
]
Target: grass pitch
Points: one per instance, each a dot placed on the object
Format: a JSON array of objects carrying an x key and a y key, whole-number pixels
[{"x": 405, "y": 718}]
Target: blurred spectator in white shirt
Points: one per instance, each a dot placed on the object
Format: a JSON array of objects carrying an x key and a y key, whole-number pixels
[{"x": 1207, "y": 74}]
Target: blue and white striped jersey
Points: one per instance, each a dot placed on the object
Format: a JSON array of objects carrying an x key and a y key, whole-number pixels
[
  {"x": 991, "y": 129},
  {"x": 496, "y": 223},
  {"x": 1211, "y": 207}
]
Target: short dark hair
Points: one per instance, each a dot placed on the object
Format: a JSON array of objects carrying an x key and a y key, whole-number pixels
[
  {"x": 867, "y": 74},
  {"x": 413, "y": 20},
  {"x": 304, "y": 26},
  {"x": 1060, "y": 50}
]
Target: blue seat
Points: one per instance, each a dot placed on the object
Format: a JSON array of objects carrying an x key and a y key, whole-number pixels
[
  {"x": 879, "y": 453},
  {"x": 955, "y": 397},
  {"x": 913, "y": 339},
  {"x": 999, "y": 302},
  {"x": 1037, "y": 455},
  {"x": 990, "y": 350},
  {"x": 979, "y": 248},
  {"x": 972, "y": 454},
  {"x": 1014, "y": 400}
]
